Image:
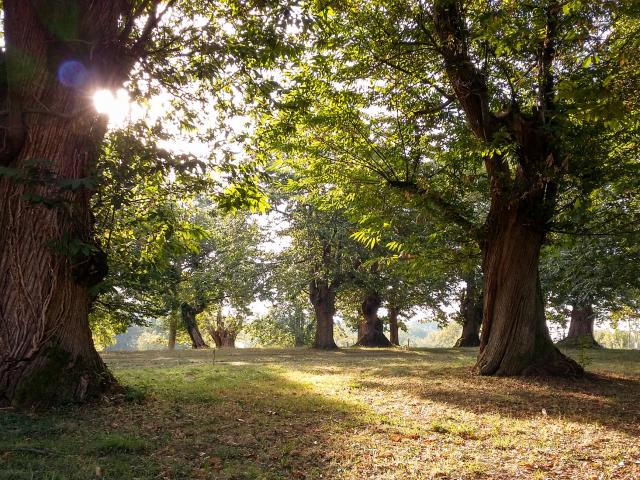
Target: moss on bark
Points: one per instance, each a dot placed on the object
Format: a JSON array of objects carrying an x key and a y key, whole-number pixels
[{"x": 56, "y": 378}]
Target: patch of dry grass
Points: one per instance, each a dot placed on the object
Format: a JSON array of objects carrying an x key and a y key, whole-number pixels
[{"x": 352, "y": 414}]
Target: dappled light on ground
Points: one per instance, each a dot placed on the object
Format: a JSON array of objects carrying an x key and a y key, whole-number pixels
[{"x": 353, "y": 414}]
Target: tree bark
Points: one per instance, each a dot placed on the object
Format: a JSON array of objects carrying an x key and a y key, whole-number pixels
[
  {"x": 173, "y": 331},
  {"x": 581, "y": 328},
  {"x": 394, "y": 312},
  {"x": 372, "y": 328},
  {"x": 523, "y": 188},
  {"x": 515, "y": 338},
  {"x": 222, "y": 336},
  {"x": 189, "y": 313},
  {"x": 471, "y": 310},
  {"x": 323, "y": 299},
  {"x": 361, "y": 329},
  {"x": 48, "y": 258}
]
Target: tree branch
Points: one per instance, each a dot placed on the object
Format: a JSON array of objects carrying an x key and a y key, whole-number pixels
[
  {"x": 446, "y": 210},
  {"x": 466, "y": 80},
  {"x": 546, "y": 58}
]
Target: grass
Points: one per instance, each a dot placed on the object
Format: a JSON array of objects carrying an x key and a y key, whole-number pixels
[{"x": 352, "y": 414}]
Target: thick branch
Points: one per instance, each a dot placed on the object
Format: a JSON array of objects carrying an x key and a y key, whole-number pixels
[
  {"x": 545, "y": 60},
  {"x": 466, "y": 80}
]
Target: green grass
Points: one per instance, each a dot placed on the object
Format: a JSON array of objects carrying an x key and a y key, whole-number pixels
[
  {"x": 116, "y": 443},
  {"x": 352, "y": 414}
]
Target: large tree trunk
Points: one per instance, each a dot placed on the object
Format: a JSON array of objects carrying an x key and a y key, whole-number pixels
[
  {"x": 323, "y": 299},
  {"x": 581, "y": 328},
  {"x": 523, "y": 187},
  {"x": 189, "y": 313},
  {"x": 515, "y": 337},
  {"x": 471, "y": 310},
  {"x": 394, "y": 312},
  {"x": 50, "y": 138},
  {"x": 372, "y": 331}
]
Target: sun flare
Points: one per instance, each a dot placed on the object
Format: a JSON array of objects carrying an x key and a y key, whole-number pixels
[{"x": 117, "y": 107}]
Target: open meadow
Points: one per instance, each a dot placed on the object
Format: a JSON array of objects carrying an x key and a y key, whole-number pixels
[{"x": 349, "y": 414}]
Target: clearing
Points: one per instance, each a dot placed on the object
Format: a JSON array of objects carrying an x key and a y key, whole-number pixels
[{"x": 351, "y": 414}]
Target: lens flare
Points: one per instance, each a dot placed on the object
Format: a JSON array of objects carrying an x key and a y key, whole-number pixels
[{"x": 72, "y": 74}]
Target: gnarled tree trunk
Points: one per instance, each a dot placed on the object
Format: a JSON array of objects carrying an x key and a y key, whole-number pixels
[
  {"x": 581, "y": 328},
  {"x": 48, "y": 258},
  {"x": 372, "y": 329},
  {"x": 222, "y": 336},
  {"x": 189, "y": 313},
  {"x": 523, "y": 187},
  {"x": 323, "y": 299},
  {"x": 515, "y": 337},
  {"x": 394, "y": 312},
  {"x": 471, "y": 310}
]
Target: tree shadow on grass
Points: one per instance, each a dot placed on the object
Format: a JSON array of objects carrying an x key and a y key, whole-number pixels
[
  {"x": 192, "y": 422},
  {"x": 608, "y": 400}
]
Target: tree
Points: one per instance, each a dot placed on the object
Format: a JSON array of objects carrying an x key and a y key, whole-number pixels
[
  {"x": 223, "y": 331},
  {"x": 225, "y": 271},
  {"x": 371, "y": 333},
  {"x": 237, "y": 275},
  {"x": 327, "y": 271},
  {"x": 55, "y": 57},
  {"x": 593, "y": 274},
  {"x": 471, "y": 312},
  {"x": 581, "y": 328},
  {"x": 415, "y": 284},
  {"x": 142, "y": 228},
  {"x": 320, "y": 260},
  {"x": 629, "y": 338},
  {"x": 394, "y": 325},
  {"x": 506, "y": 87},
  {"x": 288, "y": 323}
]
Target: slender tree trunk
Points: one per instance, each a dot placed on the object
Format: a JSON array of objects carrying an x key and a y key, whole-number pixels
[
  {"x": 48, "y": 258},
  {"x": 372, "y": 332},
  {"x": 323, "y": 299},
  {"x": 393, "y": 325},
  {"x": 581, "y": 328},
  {"x": 471, "y": 310},
  {"x": 189, "y": 318},
  {"x": 515, "y": 338},
  {"x": 173, "y": 331},
  {"x": 300, "y": 328}
]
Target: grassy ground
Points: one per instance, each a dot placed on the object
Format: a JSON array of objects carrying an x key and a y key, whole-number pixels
[{"x": 353, "y": 414}]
